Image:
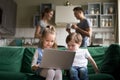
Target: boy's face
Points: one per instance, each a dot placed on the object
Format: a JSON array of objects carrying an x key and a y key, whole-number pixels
[{"x": 73, "y": 46}]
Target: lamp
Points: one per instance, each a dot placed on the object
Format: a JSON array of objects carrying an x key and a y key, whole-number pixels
[{"x": 67, "y": 3}]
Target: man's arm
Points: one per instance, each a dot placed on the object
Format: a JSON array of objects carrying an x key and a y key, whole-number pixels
[{"x": 87, "y": 31}]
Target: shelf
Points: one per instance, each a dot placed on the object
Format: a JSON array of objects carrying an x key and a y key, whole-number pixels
[
  {"x": 109, "y": 39},
  {"x": 94, "y": 8},
  {"x": 106, "y": 20},
  {"x": 93, "y": 19},
  {"x": 109, "y": 8}
]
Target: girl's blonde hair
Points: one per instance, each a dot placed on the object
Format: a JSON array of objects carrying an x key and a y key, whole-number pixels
[
  {"x": 48, "y": 30},
  {"x": 76, "y": 37}
]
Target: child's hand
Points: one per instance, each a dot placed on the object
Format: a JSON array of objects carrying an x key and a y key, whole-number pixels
[
  {"x": 35, "y": 67},
  {"x": 97, "y": 72}
]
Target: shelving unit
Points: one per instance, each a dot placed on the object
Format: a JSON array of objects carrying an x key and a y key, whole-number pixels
[
  {"x": 102, "y": 17},
  {"x": 109, "y": 8},
  {"x": 94, "y": 19},
  {"x": 94, "y": 8},
  {"x": 107, "y": 20}
]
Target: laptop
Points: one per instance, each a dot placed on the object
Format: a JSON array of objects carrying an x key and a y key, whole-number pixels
[{"x": 57, "y": 59}]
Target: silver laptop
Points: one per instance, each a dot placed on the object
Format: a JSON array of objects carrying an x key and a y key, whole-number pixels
[{"x": 53, "y": 58}]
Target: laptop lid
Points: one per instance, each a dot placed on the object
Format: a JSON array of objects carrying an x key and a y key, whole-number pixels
[{"x": 54, "y": 58}]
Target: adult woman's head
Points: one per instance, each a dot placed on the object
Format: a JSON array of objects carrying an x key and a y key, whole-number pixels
[
  {"x": 73, "y": 41},
  {"x": 48, "y": 38},
  {"x": 47, "y": 13}
]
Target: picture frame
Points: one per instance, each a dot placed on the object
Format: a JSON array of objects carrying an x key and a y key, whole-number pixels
[
  {"x": 45, "y": 5},
  {"x": 36, "y": 19}
]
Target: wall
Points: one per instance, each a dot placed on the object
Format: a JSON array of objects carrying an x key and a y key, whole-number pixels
[
  {"x": 118, "y": 21},
  {"x": 26, "y": 9}
]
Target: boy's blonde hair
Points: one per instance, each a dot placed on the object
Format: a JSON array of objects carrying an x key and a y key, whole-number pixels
[
  {"x": 76, "y": 37},
  {"x": 48, "y": 30}
]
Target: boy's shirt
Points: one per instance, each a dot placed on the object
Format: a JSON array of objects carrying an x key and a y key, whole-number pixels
[{"x": 80, "y": 59}]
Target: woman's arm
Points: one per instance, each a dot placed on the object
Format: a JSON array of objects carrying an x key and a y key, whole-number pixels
[{"x": 37, "y": 32}]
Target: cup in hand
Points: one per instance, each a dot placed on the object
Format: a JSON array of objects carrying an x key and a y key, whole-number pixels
[{"x": 68, "y": 26}]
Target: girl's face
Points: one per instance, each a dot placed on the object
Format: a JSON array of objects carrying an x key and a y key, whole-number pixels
[
  {"x": 73, "y": 46},
  {"x": 49, "y": 40}
]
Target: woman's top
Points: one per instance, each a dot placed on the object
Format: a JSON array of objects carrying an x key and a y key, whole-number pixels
[{"x": 42, "y": 24}]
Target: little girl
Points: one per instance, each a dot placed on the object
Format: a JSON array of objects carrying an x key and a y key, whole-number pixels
[{"x": 47, "y": 41}]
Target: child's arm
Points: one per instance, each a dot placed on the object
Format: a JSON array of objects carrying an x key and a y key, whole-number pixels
[
  {"x": 35, "y": 66},
  {"x": 93, "y": 64}
]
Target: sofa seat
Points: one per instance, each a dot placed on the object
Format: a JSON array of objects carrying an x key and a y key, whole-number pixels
[
  {"x": 100, "y": 76},
  {"x": 4, "y": 75}
]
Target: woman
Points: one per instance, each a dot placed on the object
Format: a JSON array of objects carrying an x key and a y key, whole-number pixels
[{"x": 46, "y": 17}]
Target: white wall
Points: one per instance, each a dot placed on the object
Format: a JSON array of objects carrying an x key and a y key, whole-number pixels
[
  {"x": 119, "y": 21},
  {"x": 29, "y": 33}
]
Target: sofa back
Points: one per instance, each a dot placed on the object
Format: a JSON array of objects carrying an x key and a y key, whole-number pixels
[
  {"x": 11, "y": 58},
  {"x": 97, "y": 54},
  {"x": 111, "y": 61}
]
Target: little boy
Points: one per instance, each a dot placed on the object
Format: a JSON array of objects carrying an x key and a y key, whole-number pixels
[{"x": 79, "y": 70}]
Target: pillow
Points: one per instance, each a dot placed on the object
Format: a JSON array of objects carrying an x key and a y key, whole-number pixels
[
  {"x": 111, "y": 62},
  {"x": 11, "y": 58},
  {"x": 27, "y": 60}
]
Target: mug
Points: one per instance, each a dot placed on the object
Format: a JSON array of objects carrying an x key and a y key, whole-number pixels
[{"x": 69, "y": 25}]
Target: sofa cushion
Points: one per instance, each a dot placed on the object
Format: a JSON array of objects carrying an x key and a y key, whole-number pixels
[
  {"x": 11, "y": 58},
  {"x": 35, "y": 77},
  {"x": 100, "y": 77},
  {"x": 111, "y": 61},
  {"x": 12, "y": 76},
  {"x": 27, "y": 59}
]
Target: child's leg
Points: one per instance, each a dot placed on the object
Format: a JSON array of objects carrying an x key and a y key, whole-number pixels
[
  {"x": 83, "y": 73},
  {"x": 58, "y": 74},
  {"x": 50, "y": 74},
  {"x": 43, "y": 72},
  {"x": 74, "y": 73}
]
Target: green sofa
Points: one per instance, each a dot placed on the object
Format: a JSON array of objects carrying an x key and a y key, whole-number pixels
[{"x": 15, "y": 63}]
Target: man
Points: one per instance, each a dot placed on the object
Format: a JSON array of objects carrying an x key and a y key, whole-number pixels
[{"x": 83, "y": 27}]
